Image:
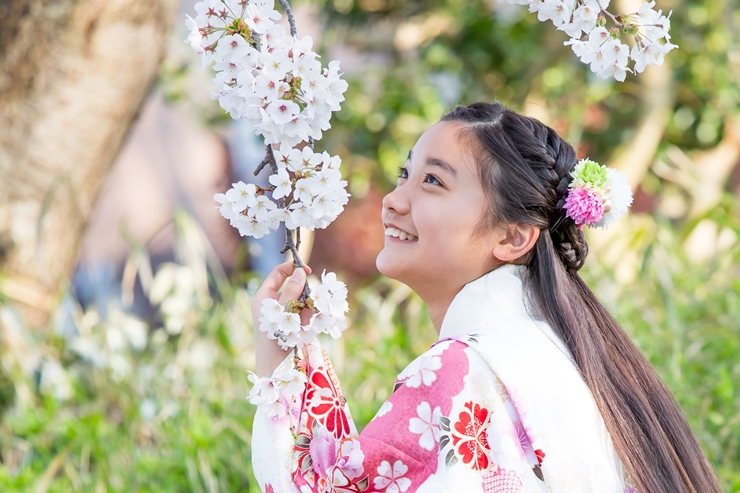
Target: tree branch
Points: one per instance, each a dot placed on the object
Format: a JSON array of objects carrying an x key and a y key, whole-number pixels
[
  {"x": 265, "y": 161},
  {"x": 289, "y": 13},
  {"x": 270, "y": 159},
  {"x": 289, "y": 244}
]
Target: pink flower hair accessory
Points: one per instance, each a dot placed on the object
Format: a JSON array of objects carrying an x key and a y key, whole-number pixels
[{"x": 597, "y": 195}]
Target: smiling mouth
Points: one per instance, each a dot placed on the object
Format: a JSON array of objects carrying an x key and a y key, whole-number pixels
[{"x": 402, "y": 235}]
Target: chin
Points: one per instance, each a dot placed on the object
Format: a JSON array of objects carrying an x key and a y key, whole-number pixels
[{"x": 388, "y": 267}]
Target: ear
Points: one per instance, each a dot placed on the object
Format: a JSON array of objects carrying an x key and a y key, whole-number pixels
[{"x": 512, "y": 241}]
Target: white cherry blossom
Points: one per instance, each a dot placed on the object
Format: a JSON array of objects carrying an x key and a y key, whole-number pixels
[
  {"x": 231, "y": 48},
  {"x": 330, "y": 301},
  {"x": 282, "y": 111},
  {"x": 264, "y": 390},
  {"x": 385, "y": 408},
  {"x": 426, "y": 425},
  {"x": 226, "y": 209},
  {"x": 282, "y": 183},
  {"x": 260, "y": 18},
  {"x": 580, "y": 18},
  {"x": 291, "y": 381},
  {"x": 421, "y": 371},
  {"x": 555, "y": 10},
  {"x": 249, "y": 226},
  {"x": 390, "y": 479}
]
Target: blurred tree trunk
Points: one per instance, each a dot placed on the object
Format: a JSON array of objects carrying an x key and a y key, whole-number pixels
[{"x": 73, "y": 75}]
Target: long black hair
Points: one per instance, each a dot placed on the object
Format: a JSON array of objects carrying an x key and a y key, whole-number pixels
[{"x": 525, "y": 167}]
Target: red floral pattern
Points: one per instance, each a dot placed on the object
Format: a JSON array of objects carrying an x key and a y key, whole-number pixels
[
  {"x": 327, "y": 405},
  {"x": 540, "y": 456},
  {"x": 469, "y": 436}
]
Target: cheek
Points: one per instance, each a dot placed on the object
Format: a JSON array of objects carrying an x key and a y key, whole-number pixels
[{"x": 455, "y": 237}]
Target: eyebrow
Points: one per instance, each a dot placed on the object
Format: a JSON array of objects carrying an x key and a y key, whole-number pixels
[{"x": 433, "y": 161}]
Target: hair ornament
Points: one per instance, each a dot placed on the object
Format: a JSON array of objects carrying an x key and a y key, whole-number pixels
[{"x": 597, "y": 195}]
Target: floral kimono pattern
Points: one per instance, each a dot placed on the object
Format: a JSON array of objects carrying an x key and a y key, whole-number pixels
[{"x": 495, "y": 406}]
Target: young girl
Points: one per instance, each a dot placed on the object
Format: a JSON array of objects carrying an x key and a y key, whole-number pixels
[{"x": 532, "y": 386}]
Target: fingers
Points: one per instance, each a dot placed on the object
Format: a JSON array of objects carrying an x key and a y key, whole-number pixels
[
  {"x": 294, "y": 287},
  {"x": 275, "y": 280}
]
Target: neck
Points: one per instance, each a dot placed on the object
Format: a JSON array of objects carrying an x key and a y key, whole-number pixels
[{"x": 437, "y": 304}]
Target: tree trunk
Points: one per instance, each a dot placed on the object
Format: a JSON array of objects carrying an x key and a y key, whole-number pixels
[{"x": 73, "y": 75}]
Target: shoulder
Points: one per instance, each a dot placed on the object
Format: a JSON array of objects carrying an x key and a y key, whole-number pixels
[{"x": 449, "y": 368}]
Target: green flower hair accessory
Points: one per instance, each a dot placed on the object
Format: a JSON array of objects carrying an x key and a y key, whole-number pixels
[
  {"x": 589, "y": 173},
  {"x": 597, "y": 196}
]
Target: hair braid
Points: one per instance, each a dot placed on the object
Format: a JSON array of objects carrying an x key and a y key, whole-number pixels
[{"x": 552, "y": 161}]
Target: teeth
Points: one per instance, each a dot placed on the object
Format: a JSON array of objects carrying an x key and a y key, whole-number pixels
[{"x": 397, "y": 233}]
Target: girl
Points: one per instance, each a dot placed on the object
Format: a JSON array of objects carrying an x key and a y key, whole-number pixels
[{"x": 532, "y": 386}]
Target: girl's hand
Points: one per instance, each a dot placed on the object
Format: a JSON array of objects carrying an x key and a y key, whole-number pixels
[{"x": 267, "y": 352}]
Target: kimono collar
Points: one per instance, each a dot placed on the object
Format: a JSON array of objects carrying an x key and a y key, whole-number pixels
[{"x": 493, "y": 297}]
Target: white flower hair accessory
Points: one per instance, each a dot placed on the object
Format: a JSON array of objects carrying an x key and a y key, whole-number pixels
[{"x": 597, "y": 196}]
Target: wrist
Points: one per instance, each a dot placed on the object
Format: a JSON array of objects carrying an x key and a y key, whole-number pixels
[{"x": 268, "y": 354}]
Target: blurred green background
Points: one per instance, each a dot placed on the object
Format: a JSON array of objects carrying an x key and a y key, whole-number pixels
[{"x": 155, "y": 400}]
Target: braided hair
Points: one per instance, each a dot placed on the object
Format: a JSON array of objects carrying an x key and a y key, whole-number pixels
[{"x": 524, "y": 167}]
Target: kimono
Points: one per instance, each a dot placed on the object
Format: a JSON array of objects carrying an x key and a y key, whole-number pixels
[{"x": 496, "y": 405}]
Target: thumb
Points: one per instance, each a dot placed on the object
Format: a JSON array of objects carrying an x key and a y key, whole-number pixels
[{"x": 294, "y": 287}]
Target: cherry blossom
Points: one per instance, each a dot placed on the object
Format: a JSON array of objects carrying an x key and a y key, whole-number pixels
[
  {"x": 312, "y": 201},
  {"x": 282, "y": 183},
  {"x": 264, "y": 74},
  {"x": 598, "y": 45},
  {"x": 274, "y": 80},
  {"x": 426, "y": 425},
  {"x": 330, "y": 302},
  {"x": 421, "y": 371},
  {"x": 390, "y": 479},
  {"x": 277, "y": 393},
  {"x": 385, "y": 408}
]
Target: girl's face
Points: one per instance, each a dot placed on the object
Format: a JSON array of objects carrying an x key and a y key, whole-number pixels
[{"x": 431, "y": 218}]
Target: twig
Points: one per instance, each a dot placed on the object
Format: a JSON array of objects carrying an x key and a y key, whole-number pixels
[
  {"x": 612, "y": 16},
  {"x": 289, "y": 244},
  {"x": 266, "y": 161},
  {"x": 297, "y": 262},
  {"x": 270, "y": 159},
  {"x": 289, "y": 13}
]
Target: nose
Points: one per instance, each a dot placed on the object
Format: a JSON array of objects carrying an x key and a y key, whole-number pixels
[{"x": 396, "y": 201}]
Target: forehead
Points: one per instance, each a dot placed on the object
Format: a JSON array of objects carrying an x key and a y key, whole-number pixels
[{"x": 445, "y": 141}]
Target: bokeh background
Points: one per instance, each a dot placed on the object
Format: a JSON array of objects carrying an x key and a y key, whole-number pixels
[{"x": 125, "y": 332}]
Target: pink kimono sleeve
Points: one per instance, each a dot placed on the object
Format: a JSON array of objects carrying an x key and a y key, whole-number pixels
[{"x": 431, "y": 435}]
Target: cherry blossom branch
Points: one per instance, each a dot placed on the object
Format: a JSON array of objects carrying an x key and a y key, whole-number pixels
[
  {"x": 275, "y": 81},
  {"x": 289, "y": 244},
  {"x": 265, "y": 161},
  {"x": 601, "y": 48},
  {"x": 289, "y": 13}
]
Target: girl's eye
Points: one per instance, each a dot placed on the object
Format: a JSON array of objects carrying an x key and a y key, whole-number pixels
[
  {"x": 402, "y": 172},
  {"x": 432, "y": 180}
]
